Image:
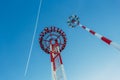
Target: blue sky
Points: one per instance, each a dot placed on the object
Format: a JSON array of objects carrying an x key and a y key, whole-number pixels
[{"x": 85, "y": 57}]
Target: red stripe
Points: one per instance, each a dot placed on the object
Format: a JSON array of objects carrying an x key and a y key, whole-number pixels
[
  {"x": 51, "y": 57},
  {"x": 91, "y": 31},
  {"x": 60, "y": 59},
  {"x": 106, "y": 40},
  {"x": 83, "y": 27},
  {"x": 54, "y": 67}
]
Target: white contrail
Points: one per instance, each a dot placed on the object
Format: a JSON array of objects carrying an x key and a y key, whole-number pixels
[{"x": 36, "y": 25}]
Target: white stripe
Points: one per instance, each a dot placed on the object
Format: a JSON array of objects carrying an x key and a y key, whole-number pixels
[
  {"x": 98, "y": 35},
  {"x": 58, "y": 49},
  {"x": 53, "y": 72},
  {"x": 50, "y": 47},
  {"x": 115, "y": 45},
  {"x": 36, "y": 25},
  {"x": 80, "y": 25},
  {"x": 63, "y": 71},
  {"x": 87, "y": 29}
]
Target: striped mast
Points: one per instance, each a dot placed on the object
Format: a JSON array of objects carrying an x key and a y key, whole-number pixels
[
  {"x": 73, "y": 21},
  {"x": 58, "y": 72},
  {"x": 52, "y": 62}
]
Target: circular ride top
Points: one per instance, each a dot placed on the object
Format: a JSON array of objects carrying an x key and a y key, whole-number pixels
[
  {"x": 49, "y": 36},
  {"x": 73, "y": 21}
]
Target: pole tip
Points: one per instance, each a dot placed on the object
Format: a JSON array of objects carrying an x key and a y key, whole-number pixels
[{"x": 73, "y": 21}]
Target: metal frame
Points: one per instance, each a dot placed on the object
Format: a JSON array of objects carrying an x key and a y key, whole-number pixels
[
  {"x": 52, "y": 34},
  {"x": 53, "y": 40}
]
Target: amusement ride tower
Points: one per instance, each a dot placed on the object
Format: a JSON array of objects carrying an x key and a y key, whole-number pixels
[
  {"x": 53, "y": 40},
  {"x": 73, "y": 21}
]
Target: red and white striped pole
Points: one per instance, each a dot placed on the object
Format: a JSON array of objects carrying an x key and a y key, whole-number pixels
[
  {"x": 58, "y": 72},
  {"x": 53, "y": 40},
  {"x": 104, "y": 39},
  {"x": 73, "y": 21}
]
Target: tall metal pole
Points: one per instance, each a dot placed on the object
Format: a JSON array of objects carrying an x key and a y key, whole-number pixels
[
  {"x": 73, "y": 21},
  {"x": 53, "y": 40}
]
